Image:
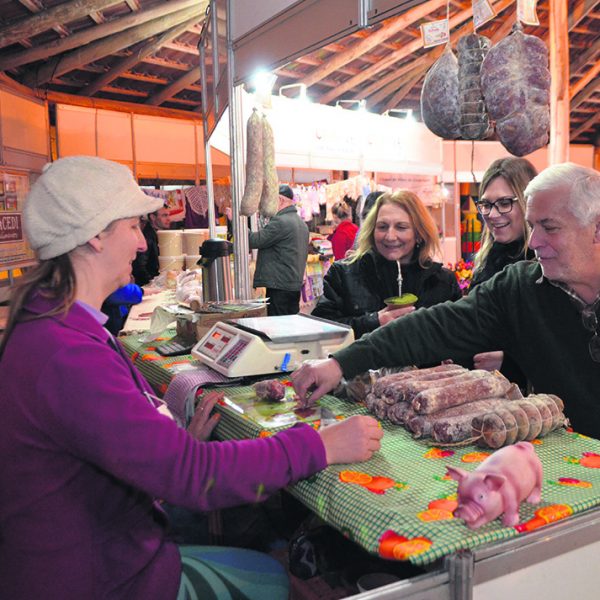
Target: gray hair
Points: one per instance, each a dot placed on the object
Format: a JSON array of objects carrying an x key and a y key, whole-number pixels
[{"x": 581, "y": 183}]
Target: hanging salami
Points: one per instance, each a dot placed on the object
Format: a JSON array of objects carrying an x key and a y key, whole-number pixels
[
  {"x": 474, "y": 120},
  {"x": 269, "y": 199},
  {"x": 515, "y": 82},
  {"x": 439, "y": 97},
  {"x": 254, "y": 165}
]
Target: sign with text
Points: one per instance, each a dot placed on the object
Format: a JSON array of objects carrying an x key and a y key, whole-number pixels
[
  {"x": 435, "y": 33},
  {"x": 14, "y": 249},
  {"x": 482, "y": 12}
]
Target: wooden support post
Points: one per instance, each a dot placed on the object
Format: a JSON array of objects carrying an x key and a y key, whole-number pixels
[{"x": 558, "y": 151}]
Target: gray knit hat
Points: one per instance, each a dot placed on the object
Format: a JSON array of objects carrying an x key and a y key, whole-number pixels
[{"x": 77, "y": 197}]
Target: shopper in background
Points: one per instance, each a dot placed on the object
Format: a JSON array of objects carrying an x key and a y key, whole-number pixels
[
  {"x": 502, "y": 206},
  {"x": 342, "y": 238},
  {"x": 543, "y": 314},
  {"x": 86, "y": 450},
  {"x": 282, "y": 250},
  {"x": 146, "y": 265},
  {"x": 397, "y": 231},
  {"x": 117, "y": 306},
  {"x": 368, "y": 204}
]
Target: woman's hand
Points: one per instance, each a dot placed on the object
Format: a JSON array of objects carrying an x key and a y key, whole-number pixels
[
  {"x": 352, "y": 440},
  {"x": 388, "y": 314},
  {"x": 315, "y": 378},
  {"x": 489, "y": 361},
  {"x": 203, "y": 423}
]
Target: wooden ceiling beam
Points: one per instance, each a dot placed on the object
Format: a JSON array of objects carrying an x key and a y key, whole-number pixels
[
  {"x": 394, "y": 57},
  {"x": 90, "y": 34},
  {"x": 586, "y": 125},
  {"x": 119, "y": 106},
  {"x": 179, "y": 84},
  {"x": 580, "y": 84},
  {"x": 47, "y": 19},
  {"x": 144, "y": 50},
  {"x": 101, "y": 48},
  {"x": 387, "y": 30},
  {"x": 152, "y": 59},
  {"x": 585, "y": 95},
  {"x": 133, "y": 5},
  {"x": 183, "y": 48},
  {"x": 404, "y": 90},
  {"x": 590, "y": 55},
  {"x": 579, "y": 11},
  {"x": 35, "y": 6},
  {"x": 392, "y": 81}
]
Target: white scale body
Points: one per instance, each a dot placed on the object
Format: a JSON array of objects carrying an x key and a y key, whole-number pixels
[{"x": 263, "y": 345}]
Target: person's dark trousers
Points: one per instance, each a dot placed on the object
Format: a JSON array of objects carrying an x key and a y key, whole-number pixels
[{"x": 282, "y": 302}]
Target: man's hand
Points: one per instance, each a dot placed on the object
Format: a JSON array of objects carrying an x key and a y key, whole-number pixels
[
  {"x": 203, "y": 423},
  {"x": 315, "y": 378},
  {"x": 353, "y": 440},
  {"x": 489, "y": 361},
  {"x": 388, "y": 314}
]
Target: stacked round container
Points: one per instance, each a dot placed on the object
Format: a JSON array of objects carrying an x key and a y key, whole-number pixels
[
  {"x": 170, "y": 245},
  {"x": 192, "y": 240}
]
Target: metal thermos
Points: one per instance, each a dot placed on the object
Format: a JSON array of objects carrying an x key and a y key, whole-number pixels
[{"x": 216, "y": 270}]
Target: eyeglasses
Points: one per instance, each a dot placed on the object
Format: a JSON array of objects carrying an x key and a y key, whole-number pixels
[
  {"x": 590, "y": 322},
  {"x": 502, "y": 205}
]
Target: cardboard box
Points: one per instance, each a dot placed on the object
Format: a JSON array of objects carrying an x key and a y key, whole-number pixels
[{"x": 193, "y": 327}]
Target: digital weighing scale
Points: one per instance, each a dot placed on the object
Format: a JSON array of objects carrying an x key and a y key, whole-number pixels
[{"x": 262, "y": 345}]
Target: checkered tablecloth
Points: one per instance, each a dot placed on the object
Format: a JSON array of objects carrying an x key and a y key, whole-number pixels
[{"x": 397, "y": 505}]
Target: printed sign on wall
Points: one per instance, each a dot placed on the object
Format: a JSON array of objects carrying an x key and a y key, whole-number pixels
[{"x": 14, "y": 249}]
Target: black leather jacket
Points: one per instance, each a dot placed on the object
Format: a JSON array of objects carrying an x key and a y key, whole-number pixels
[
  {"x": 354, "y": 292},
  {"x": 145, "y": 266}
]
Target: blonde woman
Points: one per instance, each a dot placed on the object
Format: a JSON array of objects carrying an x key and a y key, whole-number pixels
[
  {"x": 397, "y": 231},
  {"x": 501, "y": 204}
]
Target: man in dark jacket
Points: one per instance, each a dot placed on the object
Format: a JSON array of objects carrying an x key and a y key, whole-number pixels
[
  {"x": 282, "y": 250},
  {"x": 145, "y": 266},
  {"x": 544, "y": 314}
]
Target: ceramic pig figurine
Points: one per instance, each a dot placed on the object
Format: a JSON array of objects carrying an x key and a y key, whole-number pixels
[{"x": 500, "y": 483}]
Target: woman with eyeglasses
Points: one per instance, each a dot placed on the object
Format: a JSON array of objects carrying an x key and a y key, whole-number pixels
[{"x": 504, "y": 240}]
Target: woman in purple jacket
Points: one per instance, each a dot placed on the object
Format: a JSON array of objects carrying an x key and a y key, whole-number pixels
[{"x": 85, "y": 451}]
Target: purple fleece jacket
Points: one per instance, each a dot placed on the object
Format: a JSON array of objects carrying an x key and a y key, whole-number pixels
[{"x": 85, "y": 454}]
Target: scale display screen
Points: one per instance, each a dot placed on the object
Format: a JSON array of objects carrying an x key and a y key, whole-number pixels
[{"x": 215, "y": 343}]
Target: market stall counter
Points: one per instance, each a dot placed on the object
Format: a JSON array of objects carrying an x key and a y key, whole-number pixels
[{"x": 399, "y": 504}]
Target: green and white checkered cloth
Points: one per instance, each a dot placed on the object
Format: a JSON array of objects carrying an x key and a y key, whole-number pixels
[{"x": 411, "y": 476}]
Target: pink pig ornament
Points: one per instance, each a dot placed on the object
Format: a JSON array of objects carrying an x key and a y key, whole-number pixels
[{"x": 498, "y": 486}]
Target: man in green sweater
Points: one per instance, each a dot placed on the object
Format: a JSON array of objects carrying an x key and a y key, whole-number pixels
[{"x": 543, "y": 313}]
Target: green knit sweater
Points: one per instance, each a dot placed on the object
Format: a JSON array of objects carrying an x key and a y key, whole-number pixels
[{"x": 537, "y": 324}]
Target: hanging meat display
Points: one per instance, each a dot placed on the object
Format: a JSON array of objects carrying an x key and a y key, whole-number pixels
[
  {"x": 254, "y": 165},
  {"x": 439, "y": 97},
  {"x": 269, "y": 198},
  {"x": 515, "y": 81},
  {"x": 474, "y": 119}
]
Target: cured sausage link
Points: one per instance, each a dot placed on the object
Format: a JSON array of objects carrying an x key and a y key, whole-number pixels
[{"x": 432, "y": 400}]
